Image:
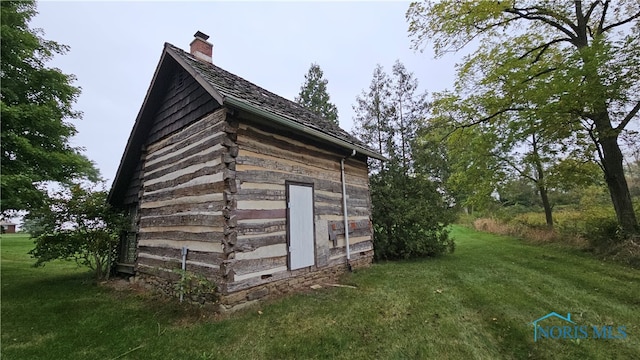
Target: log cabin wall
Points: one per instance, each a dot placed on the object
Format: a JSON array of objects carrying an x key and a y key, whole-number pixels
[
  {"x": 182, "y": 202},
  {"x": 184, "y": 102},
  {"x": 264, "y": 163}
]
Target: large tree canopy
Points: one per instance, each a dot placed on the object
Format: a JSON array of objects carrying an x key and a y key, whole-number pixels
[
  {"x": 314, "y": 96},
  {"x": 36, "y": 103},
  {"x": 571, "y": 67}
]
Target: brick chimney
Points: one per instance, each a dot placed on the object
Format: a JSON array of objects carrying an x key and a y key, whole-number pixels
[{"x": 201, "y": 48}]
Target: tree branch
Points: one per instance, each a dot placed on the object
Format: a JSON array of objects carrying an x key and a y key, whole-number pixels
[
  {"x": 514, "y": 167},
  {"x": 544, "y": 48},
  {"x": 545, "y": 11},
  {"x": 485, "y": 119},
  {"x": 628, "y": 118},
  {"x": 603, "y": 17},
  {"x": 625, "y": 21},
  {"x": 539, "y": 74},
  {"x": 598, "y": 149},
  {"x": 478, "y": 122},
  {"x": 536, "y": 16},
  {"x": 591, "y": 8}
]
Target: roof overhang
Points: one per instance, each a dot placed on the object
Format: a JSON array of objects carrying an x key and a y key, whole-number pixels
[
  {"x": 297, "y": 127},
  {"x": 137, "y": 134},
  {"x": 278, "y": 119}
]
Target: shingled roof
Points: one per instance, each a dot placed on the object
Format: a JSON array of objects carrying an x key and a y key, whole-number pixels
[{"x": 233, "y": 91}]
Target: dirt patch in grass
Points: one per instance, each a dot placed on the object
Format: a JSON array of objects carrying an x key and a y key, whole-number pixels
[{"x": 123, "y": 287}]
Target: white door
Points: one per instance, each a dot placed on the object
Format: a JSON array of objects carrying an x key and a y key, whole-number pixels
[{"x": 301, "y": 232}]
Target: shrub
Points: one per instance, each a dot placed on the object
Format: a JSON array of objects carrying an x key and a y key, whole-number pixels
[
  {"x": 409, "y": 216},
  {"x": 195, "y": 287},
  {"x": 77, "y": 224},
  {"x": 530, "y": 219}
]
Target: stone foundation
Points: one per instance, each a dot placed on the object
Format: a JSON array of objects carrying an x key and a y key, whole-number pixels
[{"x": 239, "y": 299}]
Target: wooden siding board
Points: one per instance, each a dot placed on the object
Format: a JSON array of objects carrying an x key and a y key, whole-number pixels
[
  {"x": 215, "y": 206},
  {"x": 210, "y": 236},
  {"x": 250, "y": 243},
  {"x": 180, "y": 108},
  {"x": 212, "y": 258},
  {"x": 197, "y": 189},
  {"x": 207, "y": 154},
  {"x": 199, "y": 177},
  {"x": 131, "y": 195},
  {"x": 182, "y": 220}
]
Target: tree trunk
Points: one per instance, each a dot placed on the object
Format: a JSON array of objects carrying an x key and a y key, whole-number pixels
[
  {"x": 615, "y": 179},
  {"x": 540, "y": 182},
  {"x": 544, "y": 196},
  {"x": 607, "y": 138}
]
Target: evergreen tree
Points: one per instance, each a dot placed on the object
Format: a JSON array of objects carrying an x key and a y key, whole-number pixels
[
  {"x": 409, "y": 212},
  {"x": 314, "y": 96},
  {"x": 409, "y": 112},
  {"x": 36, "y": 102},
  {"x": 373, "y": 114}
]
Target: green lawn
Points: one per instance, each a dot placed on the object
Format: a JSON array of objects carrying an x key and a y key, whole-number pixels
[{"x": 477, "y": 303}]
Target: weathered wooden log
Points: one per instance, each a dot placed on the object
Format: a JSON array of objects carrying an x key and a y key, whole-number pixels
[
  {"x": 178, "y": 208},
  {"x": 212, "y": 258},
  {"x": 250, "y": 243},
  {"x": 173, "y": 193},
  {"x": 261, "y": 214},
  {"x": 210, "y": 235},
  {"x": 243, "y": 267},
  {"x": 233, "y": 151},
  {"x": 172, "y": 165},
  {"x": 266, "y": 227},
  {"x": 196, "y": 219},
  {"x": 181, "y": 179}
]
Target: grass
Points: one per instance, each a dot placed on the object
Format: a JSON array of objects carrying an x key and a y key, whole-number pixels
[{"x": 477, "y": 303}]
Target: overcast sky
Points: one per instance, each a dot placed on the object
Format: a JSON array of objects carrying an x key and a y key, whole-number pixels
[{"x": 115, "y": 47}]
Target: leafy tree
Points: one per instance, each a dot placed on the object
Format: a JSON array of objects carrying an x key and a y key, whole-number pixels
[
  {"x": 489, "y": 155},
  {"x": 77, "y": 224},
  {"x": 36, "y": 102},
  {"x": 314, "y": 96},
  {"x": 583, "y": 56},
  {"x": 409, "y": 213}
]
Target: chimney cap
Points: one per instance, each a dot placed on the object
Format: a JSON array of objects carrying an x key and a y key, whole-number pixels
[{"x": 201, "y": 35}]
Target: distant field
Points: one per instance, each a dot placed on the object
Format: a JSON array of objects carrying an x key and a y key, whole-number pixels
[{"x": 477, "y": 303}]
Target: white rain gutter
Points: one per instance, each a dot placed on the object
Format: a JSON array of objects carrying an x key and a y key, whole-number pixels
[
  {"x": 299, "y": 127},
  {"x": 344, "y": 208}
]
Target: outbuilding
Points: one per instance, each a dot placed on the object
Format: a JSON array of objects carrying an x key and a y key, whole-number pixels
[
  {"x": 230, "y": 181},
  {"x": 7, "y": 227}
]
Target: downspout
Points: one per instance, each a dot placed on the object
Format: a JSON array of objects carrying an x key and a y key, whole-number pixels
[
  {"x": 344, "y": 208},
  {"x": 184, "y": 270}
]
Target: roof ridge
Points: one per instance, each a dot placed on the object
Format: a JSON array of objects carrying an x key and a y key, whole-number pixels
[
  {"x": 303, "y": 116},
  {"x": 256, "y": 85}
]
